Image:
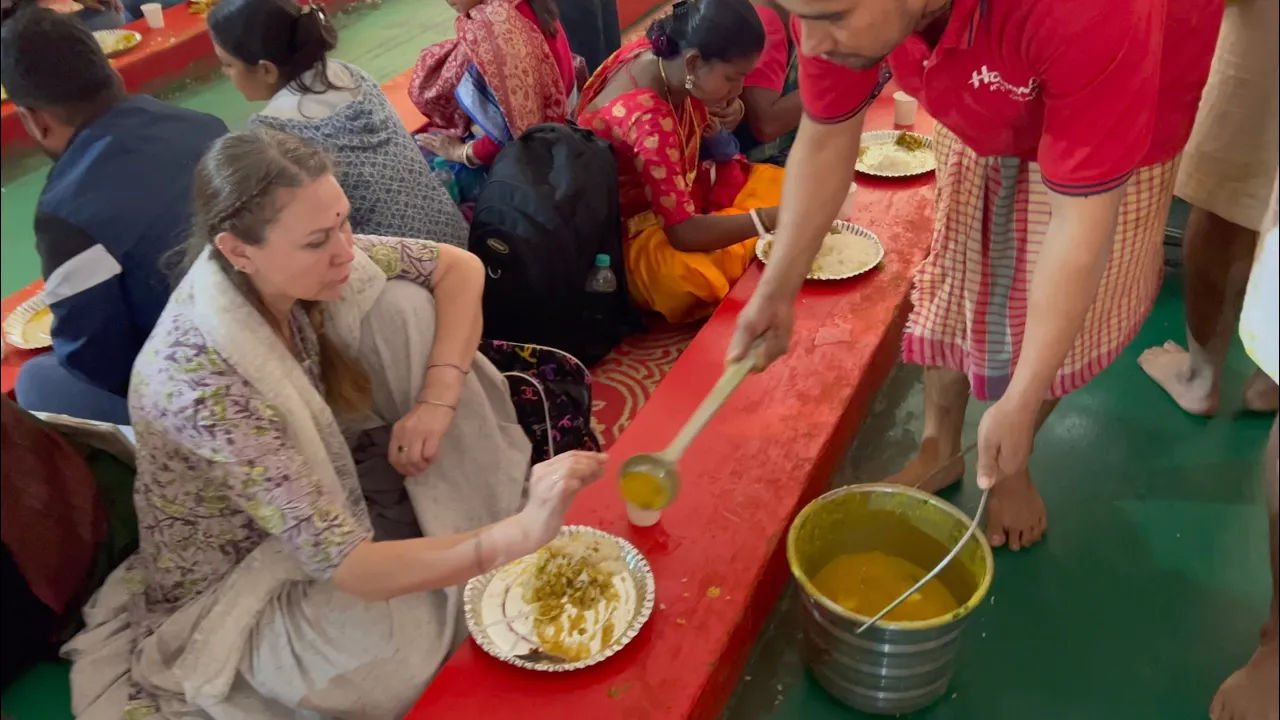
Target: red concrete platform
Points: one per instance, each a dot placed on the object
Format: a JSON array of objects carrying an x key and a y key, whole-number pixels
[
  {"x": 179, "y": 50},
  {"x": 718, "y": 553}
]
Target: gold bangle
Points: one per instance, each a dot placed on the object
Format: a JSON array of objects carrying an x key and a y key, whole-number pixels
[
  {"x": 454, "y": 366},
  {"x": 469, "y": 157},
  {"x": 437, "y": 403}
]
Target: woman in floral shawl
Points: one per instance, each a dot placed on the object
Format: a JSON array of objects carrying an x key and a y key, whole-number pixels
[
  {"x": 282, "y": 573},
  {"x": 508, "y": 69}
]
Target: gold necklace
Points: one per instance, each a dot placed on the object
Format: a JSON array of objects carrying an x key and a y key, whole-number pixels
[{"x": 686, "y": 112}]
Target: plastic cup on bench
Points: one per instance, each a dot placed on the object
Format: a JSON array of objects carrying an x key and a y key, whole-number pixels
[
  {"x": 641, "y": 517},
  {"x": 154, "y": 14}
]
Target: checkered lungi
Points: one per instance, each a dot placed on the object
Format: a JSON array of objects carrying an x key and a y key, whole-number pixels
[{"x": 970, "y": 295}]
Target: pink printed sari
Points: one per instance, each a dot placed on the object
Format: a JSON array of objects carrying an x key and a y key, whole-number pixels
[{"x": 512, "y": 56}]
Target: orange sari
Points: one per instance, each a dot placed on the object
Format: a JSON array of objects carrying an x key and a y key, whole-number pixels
[{"x": 662, "y": 183}]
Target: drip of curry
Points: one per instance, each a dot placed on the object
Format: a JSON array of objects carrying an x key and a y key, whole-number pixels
[{"x": 865, "y": 583}]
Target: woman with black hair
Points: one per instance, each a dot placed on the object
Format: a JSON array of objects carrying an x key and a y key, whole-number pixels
[
  {"x": 657, "y": 100},
  {"x": 275, "y": 51},
  {"x": 508, "y": 69}
]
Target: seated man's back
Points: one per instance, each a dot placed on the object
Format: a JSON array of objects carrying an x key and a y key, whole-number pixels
[{"x": 116, "y": 202}]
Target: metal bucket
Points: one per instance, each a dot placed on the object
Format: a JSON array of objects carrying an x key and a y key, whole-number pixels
[{"x": 892, "y": 667}]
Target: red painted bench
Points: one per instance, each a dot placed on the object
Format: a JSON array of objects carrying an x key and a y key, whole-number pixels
[
  {"x": 179, "y": 50},
  {"x": 718, "y": 553}
]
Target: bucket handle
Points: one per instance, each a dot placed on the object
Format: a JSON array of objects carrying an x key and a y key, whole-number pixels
[{"x": 973, "y": 526}]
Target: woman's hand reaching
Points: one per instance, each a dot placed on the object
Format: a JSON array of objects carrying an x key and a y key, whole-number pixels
[
  {"x": 553, "y": 485},
  {"x": 446, "y": 146},
  {"x": 415, "y": 438}
]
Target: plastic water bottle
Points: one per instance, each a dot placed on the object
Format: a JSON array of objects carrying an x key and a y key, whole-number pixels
[
  {"x": 440, "y": 170},
  {"x": 601, "y": 284},
  {"x": 602, "y": 280}
]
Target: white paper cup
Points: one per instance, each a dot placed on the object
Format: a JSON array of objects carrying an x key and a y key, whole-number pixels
[
  {"x": 846, "y": 210},
  {"x": 904, "y": 109},
  {"x": 154, "y": 14},
  {"x": 641, "y": 517}
]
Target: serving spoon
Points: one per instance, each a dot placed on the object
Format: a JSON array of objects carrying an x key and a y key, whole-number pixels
[{"x": 661, "y": 466}]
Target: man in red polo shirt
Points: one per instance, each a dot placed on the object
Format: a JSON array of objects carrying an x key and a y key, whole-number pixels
[{"x": 1060, "y": 125}]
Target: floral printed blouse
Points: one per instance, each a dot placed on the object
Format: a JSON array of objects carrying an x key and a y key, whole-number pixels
[{"x": 217, "y": 475}]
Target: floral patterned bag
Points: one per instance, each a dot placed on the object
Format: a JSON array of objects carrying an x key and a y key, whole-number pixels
[{"x": 551, "y": 391}]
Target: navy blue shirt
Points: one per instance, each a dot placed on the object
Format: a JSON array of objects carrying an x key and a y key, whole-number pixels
[{"x": 115, "y": 204}]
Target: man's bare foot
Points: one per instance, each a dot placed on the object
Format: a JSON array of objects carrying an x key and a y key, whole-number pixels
[
  {"x": 1170, "y": 365},
  {"x": 1261, "y": 394},
  {"x": 1251, "y": 692},
  {"x": 926, "y": 472},
  {"x": 1016, "y": 514}
]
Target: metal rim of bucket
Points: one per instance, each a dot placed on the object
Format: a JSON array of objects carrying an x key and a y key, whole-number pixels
[{"x": 974, "y": 600}]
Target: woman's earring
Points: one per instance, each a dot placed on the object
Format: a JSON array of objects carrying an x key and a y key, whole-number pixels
[{"x": 688, "y": 82}]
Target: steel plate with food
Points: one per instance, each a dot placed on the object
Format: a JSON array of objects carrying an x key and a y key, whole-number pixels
[
  {"x": 570, "y": 605},
  {"x": 893, "y": 153},
  {"x": 30, "y": 325},
  {"x": 116, "y": 42},
  {"x": 847, "y": 250}
]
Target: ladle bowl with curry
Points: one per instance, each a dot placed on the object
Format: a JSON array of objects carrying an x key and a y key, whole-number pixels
[{"x": 854, "y": 551}]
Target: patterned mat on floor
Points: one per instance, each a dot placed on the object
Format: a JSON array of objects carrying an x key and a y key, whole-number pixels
[{"x": 624, "y": 380}]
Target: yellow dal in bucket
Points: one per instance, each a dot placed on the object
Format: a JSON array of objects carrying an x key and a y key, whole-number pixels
[
  {"x": 901, "y": 523},
  {"x": 866, "y": 582},
  {"x": 644, "y": 490}
]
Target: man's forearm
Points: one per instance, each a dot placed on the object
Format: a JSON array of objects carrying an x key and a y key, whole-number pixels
[
  {"x": 1064, "y": 285},
  {"x": 819, "y": 170}
]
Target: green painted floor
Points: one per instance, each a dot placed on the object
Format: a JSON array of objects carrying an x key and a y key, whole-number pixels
[
  {"x": 1147, "y": 593},
  {"x": 1149, "y": 590}
]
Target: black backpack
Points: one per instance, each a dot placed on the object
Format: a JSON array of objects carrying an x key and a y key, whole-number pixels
[{"x": 549, "y": 207}]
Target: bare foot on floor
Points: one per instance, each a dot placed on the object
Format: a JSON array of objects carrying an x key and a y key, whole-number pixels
[
  {"x": 1015, "y": 515},
  {"x": 1170, "y": 366},
  {"x": 1261, "y": 394},
  {"x": 1250, "y": 693},
  {"x": 925, "y": 470}
]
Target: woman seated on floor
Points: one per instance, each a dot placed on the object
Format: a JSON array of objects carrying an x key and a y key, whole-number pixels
[
  {"x": 280, "y": 571},
  {"x": 275, "y": 51},
  {"x": 771, "y": 92},
  {"x": 687, "y": 236},
  {"x": 508, "y": 69}
]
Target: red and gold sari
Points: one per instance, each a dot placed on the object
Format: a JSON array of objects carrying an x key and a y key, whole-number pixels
[
  {"x": 662, "y": 183},
  {"x": 514, "y": 59}
]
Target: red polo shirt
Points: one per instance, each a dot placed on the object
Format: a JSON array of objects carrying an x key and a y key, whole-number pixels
[
  {"x": 771, "y": 69},
  {"x": 1090, "y": 89}
]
